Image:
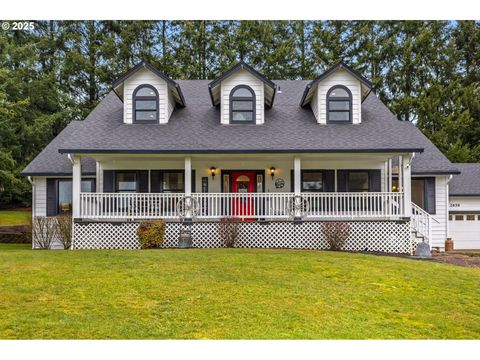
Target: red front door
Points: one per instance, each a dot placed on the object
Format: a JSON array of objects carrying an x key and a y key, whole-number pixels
[{"x": 243, "y": 182}]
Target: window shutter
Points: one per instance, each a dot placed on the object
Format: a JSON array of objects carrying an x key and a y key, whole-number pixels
[
  {"x": 193, "y": 181},
  {"x": 375, "y": 181},
  {"x": 142, "y": 181},
  {"x": 51, "y": 197},
  {"x": 292, "y": 181},
  {"x": 108, "y": 181},
  {"x": 342, "y": 180},
  {"x": 430, "y": 197},
  {"x": 155, "y": 181},
  {"x": 329, "y": 183}
]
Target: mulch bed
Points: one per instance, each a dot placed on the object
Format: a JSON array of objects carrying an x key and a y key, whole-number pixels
[
  {"x": 468, "y": 259},
  {"x": 14, "y": 234}
]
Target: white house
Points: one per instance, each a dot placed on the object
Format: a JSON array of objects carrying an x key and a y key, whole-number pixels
[
  {"x": 283, "y": 155},
  {"x": 464, "y": 218}
]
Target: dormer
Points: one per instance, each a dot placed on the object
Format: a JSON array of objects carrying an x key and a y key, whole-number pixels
[
  {"x": 148, "y": 95},
  {"x": 336, "y": 96},
  {"x": 242, "y": 94}
]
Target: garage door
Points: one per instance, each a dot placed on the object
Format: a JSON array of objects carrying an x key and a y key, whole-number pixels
[{"x": 464, "y": 229}]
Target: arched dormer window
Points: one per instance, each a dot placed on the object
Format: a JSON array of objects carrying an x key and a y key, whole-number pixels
[
  {"x": 145, "y": 104},
  {"x": 242, "y": 105},
  {"x": 339, "y": 105}
]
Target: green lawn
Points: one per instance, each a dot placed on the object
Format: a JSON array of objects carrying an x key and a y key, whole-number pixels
[
  {"x": 232, "y": 294},
  {"x": 10, "y": 218}
]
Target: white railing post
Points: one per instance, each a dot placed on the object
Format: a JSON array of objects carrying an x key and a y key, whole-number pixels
[{"x": 76, "y": 185}]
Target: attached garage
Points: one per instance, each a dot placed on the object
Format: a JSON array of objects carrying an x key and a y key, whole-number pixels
[{"x": 464, "y": 207}]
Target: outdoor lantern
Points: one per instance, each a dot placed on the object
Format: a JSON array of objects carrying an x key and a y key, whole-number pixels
[
  {"x": 213, "y": 169},
  {"x": 272, "y": 172}
]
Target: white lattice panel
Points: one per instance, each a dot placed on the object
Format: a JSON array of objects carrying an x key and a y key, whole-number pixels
[{"x": 382, "y": 236}]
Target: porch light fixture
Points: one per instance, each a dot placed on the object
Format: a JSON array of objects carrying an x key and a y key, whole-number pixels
[
  {"x": 272, "y": 172},
  {"x": 213, "y": 169}
]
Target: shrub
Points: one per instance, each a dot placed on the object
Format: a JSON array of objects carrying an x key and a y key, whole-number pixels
[
  {"x": 64, "y": 230},
  {"x": 151, "y": 233},
  {"x": 43, "y": 232},
  {"x": 229, "y": 228},
  {"x": 336, "y": 233}
]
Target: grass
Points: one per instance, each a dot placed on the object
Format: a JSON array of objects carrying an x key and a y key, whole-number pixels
[
  {"x": 12, "y": 218},
  {"x": 233, "y": 294}
]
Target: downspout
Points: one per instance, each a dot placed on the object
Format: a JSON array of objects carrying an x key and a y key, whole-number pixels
[{"x": 71, "y": 159}]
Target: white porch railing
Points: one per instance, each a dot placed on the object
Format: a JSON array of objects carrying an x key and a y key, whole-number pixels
[
  {"x": 210, "y": 206},
  {"x": 421, "y": 222},
  {"x": 129, "y": 205}
]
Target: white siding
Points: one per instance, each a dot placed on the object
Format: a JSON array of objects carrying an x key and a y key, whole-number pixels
[
  {"x": 464, "y": 203},
  {"x": 340, "y": 77},
  {"x": 439, "y": 230},
  {"x": 141, "y": 77},
  {"x": 241, "y": 77},
  {"x": 40, "y": 196}
]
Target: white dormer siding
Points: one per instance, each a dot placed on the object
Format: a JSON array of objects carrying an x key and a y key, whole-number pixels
[
  {"x": 339, "y": 77},
  {"x": 142, "y": 77},
  {"x": 242, "y": 77}
]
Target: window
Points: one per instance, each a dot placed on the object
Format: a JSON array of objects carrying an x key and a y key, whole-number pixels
[
  {"x": 242, "y": 105},
  {"x": 339, "y": 105},
  {"x": 312, "y": 181},
  {"x": 458, "y": 217},
  {"x": 126, "y": 181},
  {"x": 418, "y": 192},
  {"x": 145, "y": 104},
  {"x": 423, "y": 193},
  {"x": 173, "y": 182},
  {"x": 64, "y": 194},
  {"x": 470, "y": 217},
  {"x": 358, "y": 181}
]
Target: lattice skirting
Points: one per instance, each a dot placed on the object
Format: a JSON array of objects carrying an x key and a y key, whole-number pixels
[{"x": 382, "y": 236}]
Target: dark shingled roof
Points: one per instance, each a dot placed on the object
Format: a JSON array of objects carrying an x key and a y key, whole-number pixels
[
  {"x": 196, "y": 128},
  {"x": 468, "y": 182}
]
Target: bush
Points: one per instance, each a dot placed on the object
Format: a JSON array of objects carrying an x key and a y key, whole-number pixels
[
  {"x": 151, "y": 233},
  {"x": 336, "y": 233},
  {"x": 64, "y": 230},
  {"x": 43, "y": 232},
  {"x": 229, "y": 228}
]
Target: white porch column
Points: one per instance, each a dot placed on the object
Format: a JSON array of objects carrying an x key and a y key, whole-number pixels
[
  {"x": 188, "y": 188},
  {"x": 390, "y": 181},
  {"x": 76, "y": 185},
  {"x": 188, "y": 176},
  {"x": 385, "y": 176},
  {"x": 297, "y": 170},
  {"x": 407, "y": 186}
]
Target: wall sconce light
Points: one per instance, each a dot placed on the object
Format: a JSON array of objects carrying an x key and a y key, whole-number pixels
[
  {"x": 213, "y": 169},
  {"x": 272, "y": 172}
]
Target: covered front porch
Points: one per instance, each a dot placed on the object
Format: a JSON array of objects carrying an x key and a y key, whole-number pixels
[{"x": 252, "y": 187}]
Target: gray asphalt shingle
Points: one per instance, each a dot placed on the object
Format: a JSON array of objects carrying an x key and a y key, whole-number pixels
[
  {"x": 468, "y": 182},
  {"x": 197, "y": 128}
]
